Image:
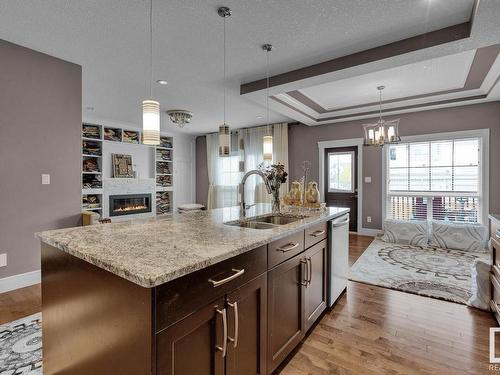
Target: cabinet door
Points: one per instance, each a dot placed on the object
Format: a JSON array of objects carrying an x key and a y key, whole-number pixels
[
  {"x": 285, "y": 309},
  {"x": 247, "y": 328},
  {"x": 195, "y": 344},
  {"x": 315, "y": 291}
]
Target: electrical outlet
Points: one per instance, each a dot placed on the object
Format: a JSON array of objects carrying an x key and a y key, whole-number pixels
[
  {"x": 368, "y": 219},
  {"x": 3, "y": 260}
]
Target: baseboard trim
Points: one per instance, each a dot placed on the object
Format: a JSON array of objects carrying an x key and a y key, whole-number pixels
[
  {"x": 370, "y": 232},
  {"x": 20, "y": 281}
]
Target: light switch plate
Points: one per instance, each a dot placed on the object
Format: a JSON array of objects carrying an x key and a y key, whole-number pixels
[
  {"x": 45, "y": 179},
  {"x": 368, "y": 180},
  {"x": 368, "y": 219},
  {"x": 3, "y": 260}
]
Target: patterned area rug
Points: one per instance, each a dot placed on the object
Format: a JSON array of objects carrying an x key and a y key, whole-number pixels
[
  {"x": 427, "y": 271},
  {"x": 21, "y": 346}
]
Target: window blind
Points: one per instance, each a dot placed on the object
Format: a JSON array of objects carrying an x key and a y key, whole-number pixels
[{"x": 435, "y": 180}]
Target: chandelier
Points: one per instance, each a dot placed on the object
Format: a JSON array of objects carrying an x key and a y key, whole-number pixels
[
  {"x": 180, "y": 117},
  {"x": 382, "y": 132}
]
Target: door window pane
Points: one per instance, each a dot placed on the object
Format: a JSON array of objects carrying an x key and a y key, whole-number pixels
[{"x": 340, "y": 172}]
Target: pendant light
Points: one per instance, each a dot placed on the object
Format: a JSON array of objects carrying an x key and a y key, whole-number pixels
[
  {"x": 224, "y": 132},
  {"x": 382, "y": 132},
  {"x": 267, "y": 141},
  {"x": 150, "y": 107}
]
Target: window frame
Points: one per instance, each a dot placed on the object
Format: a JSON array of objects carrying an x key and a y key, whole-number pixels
[
  {"x": 353, "y": 171},
  {"x": 483, "y": 188}
]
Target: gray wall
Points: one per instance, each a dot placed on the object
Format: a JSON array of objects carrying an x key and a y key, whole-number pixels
[
  {"x": 40, "y": 122},
  {"x": 303, "y": 145}
]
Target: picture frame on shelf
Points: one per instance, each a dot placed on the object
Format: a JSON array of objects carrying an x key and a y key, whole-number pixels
[{"x": 122, "y": 166}]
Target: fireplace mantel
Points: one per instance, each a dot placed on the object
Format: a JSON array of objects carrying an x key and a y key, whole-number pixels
[{"x": 123, "y": 186}]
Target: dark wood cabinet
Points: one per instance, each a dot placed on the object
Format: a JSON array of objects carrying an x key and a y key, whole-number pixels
[
  {"x": 247, "y": 328},
  {"x": 286, "y": 293},
  {"x": 194, "y": 345},
  {"x": 315, "y": 290}
]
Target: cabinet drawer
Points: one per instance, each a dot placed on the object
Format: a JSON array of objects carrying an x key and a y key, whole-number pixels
[
  {"x": 281, "y": 250},
  {"x": 315, "y": 234},
  {"x": 183, "y": 296}
]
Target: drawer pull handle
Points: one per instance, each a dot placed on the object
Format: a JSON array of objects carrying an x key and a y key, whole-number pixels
[
  {"x": 223, "y": 348},
  {"x": 309, "y": 262},
  {"x": 237, "y": 273},
  {"x": 318, "y": 233},
  {"x": 288, "y": 247},
  {"x": 234, "y": 339},
  {"x": 306, "y": 271}
]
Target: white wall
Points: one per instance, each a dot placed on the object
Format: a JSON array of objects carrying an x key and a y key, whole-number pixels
[{"x": 142, "y": 158}]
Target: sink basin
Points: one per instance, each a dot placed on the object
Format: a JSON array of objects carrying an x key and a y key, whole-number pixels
[
  {"x": 266, "y": 222},
  {"x": 278, "y": 219},
  {"x": 252, "y": 225}
]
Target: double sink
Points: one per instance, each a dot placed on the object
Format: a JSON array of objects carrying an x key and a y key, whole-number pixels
[{"x": 266, "y": 222}]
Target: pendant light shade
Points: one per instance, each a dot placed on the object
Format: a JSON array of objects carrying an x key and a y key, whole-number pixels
[
  {"x": 151, "y": 122},
  {"x": 150, "y": 108},
  {"x": 267, "y": 140},
  {"x": 224, "y": 141},
  {"x": 267, "y": 148}
]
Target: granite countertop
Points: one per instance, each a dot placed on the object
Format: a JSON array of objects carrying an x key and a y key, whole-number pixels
[
  {"x": 150, "y": 252},
  {"x": 495, "y": 218}
]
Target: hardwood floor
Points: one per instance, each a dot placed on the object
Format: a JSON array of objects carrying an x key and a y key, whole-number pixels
[
  {"x": 371, "y": 330},
  {"x": 20, "y": 303}
]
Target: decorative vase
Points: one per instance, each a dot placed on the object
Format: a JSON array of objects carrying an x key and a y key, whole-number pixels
[{"x": 276, "y": 201}]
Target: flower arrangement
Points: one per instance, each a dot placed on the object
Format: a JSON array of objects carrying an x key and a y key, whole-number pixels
[{"x": 276, "y": 175}]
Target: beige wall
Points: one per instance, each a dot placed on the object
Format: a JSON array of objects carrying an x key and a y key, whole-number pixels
[
  {"x": 303, "y": 145},
  {"x": 40, "y": 122}
]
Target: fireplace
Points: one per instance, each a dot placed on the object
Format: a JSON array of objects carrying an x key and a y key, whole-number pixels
[{"x": 129, "y": 204}]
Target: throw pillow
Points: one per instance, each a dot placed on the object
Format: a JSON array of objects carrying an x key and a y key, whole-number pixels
[
  {"x": 406, "y": 232},
  {"x": 467, "y": 237}
]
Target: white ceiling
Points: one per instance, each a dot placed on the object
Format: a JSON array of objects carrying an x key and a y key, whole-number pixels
[
  {"x": 109, "y": 39},
  {"x": 423, "y": 77}
]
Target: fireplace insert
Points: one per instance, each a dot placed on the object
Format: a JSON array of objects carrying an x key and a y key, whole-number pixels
[{"x": 129, "y": 204}]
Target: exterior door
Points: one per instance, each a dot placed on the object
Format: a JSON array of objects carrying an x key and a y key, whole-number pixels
[
  {"x": 286, "y": 287},
  {"x": 195, "y": 345},
  {"x": 341, "y": 180},
  {"x": 316, "y": 292},
  {"x": 247, "y": 328}
]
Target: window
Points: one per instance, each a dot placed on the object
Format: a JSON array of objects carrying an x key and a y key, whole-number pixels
[
  {"x": 341, "y": 172},
  {"x": 435, "y": 180},
  {"x": 229, "y": 170}
]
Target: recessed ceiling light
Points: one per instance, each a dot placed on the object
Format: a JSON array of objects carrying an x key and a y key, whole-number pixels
[
  {"x": 161, "y": 82},
  {"x": 259, "y": 117}
]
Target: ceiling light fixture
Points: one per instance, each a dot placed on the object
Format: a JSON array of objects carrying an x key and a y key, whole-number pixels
[
  {"x": 161, "y": 82},
  {"x": 267, "y": 140},
  {"x": 150, "y": 107},
  {"x": 382, "y": 132},
  {"x": 224, "y": 132},
  {"x": 180, "y": 117}
]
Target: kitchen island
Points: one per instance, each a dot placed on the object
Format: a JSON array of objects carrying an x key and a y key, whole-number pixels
[{"x": 184, "y": 294}]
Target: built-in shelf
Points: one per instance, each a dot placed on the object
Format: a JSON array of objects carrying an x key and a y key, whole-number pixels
[{"x": 94, "y": 140}]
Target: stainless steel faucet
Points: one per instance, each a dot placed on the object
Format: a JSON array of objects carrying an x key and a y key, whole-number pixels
[{"x": 243, "y": 206}]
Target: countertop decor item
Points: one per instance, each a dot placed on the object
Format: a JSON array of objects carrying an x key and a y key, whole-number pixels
[
  {"x": 382, "y": 131},
  {"x": 276, "y": 175},
  {"x": 180, "y": 117},
  {"x": 150, "y": 108},
  {"x": 294, "y": 196},
  {"x": 312, "y": 195}
]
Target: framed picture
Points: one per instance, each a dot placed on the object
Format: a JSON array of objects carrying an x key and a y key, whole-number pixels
[{"x": 122, "y": 166}]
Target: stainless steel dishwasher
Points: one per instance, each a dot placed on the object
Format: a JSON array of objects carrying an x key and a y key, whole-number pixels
[{"x": 338, "y": 257}]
